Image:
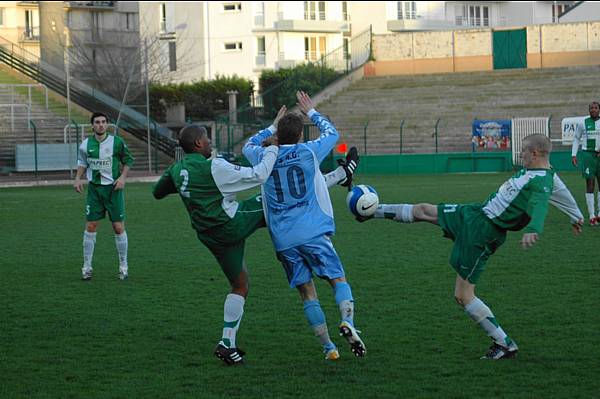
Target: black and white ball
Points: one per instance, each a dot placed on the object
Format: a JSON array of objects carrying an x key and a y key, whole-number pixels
[{"x": 362, "y": 200}]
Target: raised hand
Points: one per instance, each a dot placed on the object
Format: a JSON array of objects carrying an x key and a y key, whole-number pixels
[
  {"x": 280, "y": 114},
  {"x": 304, "y": 102}
]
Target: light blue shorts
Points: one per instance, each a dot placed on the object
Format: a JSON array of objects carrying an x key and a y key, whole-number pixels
[{"x": 318, "y": 257}]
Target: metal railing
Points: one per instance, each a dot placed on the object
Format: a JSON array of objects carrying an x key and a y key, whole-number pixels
[
  {"x": 12, "y": 113},
  {"x": 13, "y": 91},
  {"x": 86, "y": 96}
]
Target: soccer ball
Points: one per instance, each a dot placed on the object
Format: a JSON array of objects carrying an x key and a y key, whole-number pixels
[{"x": 362, "y": 200}]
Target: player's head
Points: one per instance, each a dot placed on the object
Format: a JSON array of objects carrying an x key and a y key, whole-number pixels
[
  {"x": 99, "y": 121},
  {"x": 193, "y": 138},
  {"x": 594, "y": 109},
  {"x": 289, "y": 128},
  {"x": 536, "y": 147}
]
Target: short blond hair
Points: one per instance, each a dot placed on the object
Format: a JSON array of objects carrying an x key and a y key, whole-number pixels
[{"x": 537, "y": 142}]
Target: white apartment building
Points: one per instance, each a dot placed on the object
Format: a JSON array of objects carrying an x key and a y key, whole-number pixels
[
  {"x": 402, "y": 16},
  {"x": 189, "y": 41},
  {"x": 20, "y": 24},
  {"x": 206, "y": 39}
]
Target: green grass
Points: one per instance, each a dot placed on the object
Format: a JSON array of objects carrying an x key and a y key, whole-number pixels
[{"x": 153, "y": 335}]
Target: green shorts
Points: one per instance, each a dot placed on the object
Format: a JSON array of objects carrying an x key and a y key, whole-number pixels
[
  {"x": 227, "y": 242},
  {"x": 101, "y": 199},
  {"x": 475, "y": 238},
  {"x": 589, "y": 163}
]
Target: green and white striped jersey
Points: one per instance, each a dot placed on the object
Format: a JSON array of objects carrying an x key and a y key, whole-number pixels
[
  {"x": 102, "y": 160},
  {"x": 208, "y": 186},
  {"x": 522, "y": 201},
  {"x": 588, "y": 134}
]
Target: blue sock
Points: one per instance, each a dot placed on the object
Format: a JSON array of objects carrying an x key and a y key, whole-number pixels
[
  {"x": 316, "y": 319},
  {"x": 345, "y": 301},
  {"x": 314, "y": 313}
]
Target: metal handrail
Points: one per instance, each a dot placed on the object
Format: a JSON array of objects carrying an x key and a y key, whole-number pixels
[
  {"x": 12, "y": 114},
  {"x": 29, "y": 86}
]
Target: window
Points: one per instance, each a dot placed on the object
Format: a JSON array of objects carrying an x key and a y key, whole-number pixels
[
  {"x": 232, "y": 7},
  {"x": 407, "y": 10},
  {"x": 558, "y": 10},
  {"x": 259, "y": 13},
  {"x": 172, "y": 56},
  {"x": 260, "y": 51},
  {"x": 233, "y": 46},
  {"x": 1, "y": 16},
  {"x": 310, "y": 10},
  {"x": 130, "y": 21},
  {"x": 163, "y": 17},
  {"x": 95, "y": 25},
  {"x": 478, "y": 16},
  {"x": 167, "y": 17},
  {"x": 29, "y": 24},
  {"x": 346, "y": 47},
  {"x": 311, "y": 51},
  {"x": 345, "y": 10}
]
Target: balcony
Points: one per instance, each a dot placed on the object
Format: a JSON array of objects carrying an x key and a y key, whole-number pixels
[
  {"x": 261, "y": 59},
  {"x": 28, "y": 4},
  {"x": 312, "y": 15},
  {"x": 302, "y": 25},
  {"x": 166, "y": 31},
  {"x": 91, "y": 5},
  {"x": 472, "y": 22},
  {"x": 28, "y": 35}
]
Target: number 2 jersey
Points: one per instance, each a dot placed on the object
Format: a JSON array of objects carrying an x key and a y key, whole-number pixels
[
  {"x": 295, "y": 197},
  {"x": 522, "y": 201},
  {"x": 207, "y": 187}
]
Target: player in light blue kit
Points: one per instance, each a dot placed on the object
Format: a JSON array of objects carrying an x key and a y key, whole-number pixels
[{"x": 299, "y": 215}]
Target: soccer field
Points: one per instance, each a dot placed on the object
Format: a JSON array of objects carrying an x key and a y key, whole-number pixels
[{"x": 152, "y": 336}]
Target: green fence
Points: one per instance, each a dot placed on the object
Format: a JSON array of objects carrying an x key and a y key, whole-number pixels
[{"x": 467, "y": 162}]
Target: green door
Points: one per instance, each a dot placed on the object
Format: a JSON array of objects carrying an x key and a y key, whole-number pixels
[{"x": 510, "y": 49}]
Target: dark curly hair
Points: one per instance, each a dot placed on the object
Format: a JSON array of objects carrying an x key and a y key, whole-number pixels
[
  {"x": 97, "y": 114},
  {"x": 289, "y": 128},
  {"x": 188, "y": 136}
]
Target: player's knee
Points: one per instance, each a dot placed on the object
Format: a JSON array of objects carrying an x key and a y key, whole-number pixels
[
  {"x": 307, "y": 291},
  {"x": 91, "y": 227},
  {"x": 461, "y": 300},
  {"x": 118, "y": 228},
  {"x": 241, "y": 289}
]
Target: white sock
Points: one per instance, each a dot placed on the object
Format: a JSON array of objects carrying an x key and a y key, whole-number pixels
[
  {"x": 232, "y": 315},
  {"x": 121, "y": 243},
  {"x": 482, "y": 315},
  {"x": 322, "y": 333},
  {"x": 89, "y": 241},
  {"x": 399, "y": 212},
  {"x": 335, "y": 177},
  {"x": 589, "y": 200},
  {"x": 598, "y": 203}
]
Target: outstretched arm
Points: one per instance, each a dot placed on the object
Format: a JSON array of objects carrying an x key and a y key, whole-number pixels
[
  {"x": 254, "y": 147},
  {"x": 562, "y": 199},
  {"x": 329, "y": 135}
]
